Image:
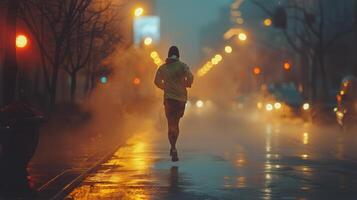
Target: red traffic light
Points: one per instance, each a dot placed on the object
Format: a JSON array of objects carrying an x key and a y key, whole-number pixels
[
  {"x": 257, "y": 70},
  {"x": 287, "y": 66},
  {"x": 21, "y": 41}
]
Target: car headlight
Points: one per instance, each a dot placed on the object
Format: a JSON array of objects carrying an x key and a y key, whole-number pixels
[
  {"x": 277, "y": 105},
  {"x": 306, "y": 106},
  {"x": 269, "y": 107},
  {"x": 199, "y": 104}
]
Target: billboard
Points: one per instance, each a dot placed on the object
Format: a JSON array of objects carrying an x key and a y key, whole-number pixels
[{"x": 147, "y": 26}]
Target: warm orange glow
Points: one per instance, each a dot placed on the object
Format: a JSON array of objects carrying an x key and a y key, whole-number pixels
[
  {"x": 242, "y": 36},
  {"x": 228, "y": 49},
  {"x": 156, "y": 58},
  {"x": 154, "y": 54},
  {"x": 136, "y": 81},
  {"x": 268, "y": 22},
  {"x": 257, "y": 70},
  {"x": 339, "y": 98},
  {"x": 287, "y": 66},
  {"x": 138, "y": 12},
  {"x": 21, "y": 41},
  {"x": 148, "y": 41}
]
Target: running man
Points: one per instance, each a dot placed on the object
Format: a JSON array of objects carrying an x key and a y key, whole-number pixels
[{"x": 174, "y": 77}]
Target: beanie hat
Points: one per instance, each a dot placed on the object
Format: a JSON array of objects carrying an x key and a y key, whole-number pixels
[{"x": 173, "y": 51}]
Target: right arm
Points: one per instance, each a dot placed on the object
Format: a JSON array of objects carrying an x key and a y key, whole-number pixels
[{"x": 188, "y": 77}]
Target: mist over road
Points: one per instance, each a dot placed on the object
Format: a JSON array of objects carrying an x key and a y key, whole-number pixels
[{"x": 228, "y": 155}]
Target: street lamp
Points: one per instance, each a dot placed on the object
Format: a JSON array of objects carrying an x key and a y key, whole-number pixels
[
  {"x": 228, "y": 49},
  {"x": 268, "y": 22},
  {"x": 287, "y": 66},
  {"x": 257, "y": 71},
  {"x": 242, "y": 36},
  {"x": 148, "y": 41},
  {"x": 138, "y": 12},
  {"x": 136, "y": 81}
]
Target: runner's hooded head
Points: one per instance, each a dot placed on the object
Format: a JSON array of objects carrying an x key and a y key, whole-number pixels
[{"x": 173, "y": 55}]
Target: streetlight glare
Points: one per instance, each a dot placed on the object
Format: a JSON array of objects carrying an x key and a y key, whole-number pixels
[
  {"x": 148, "y": 41},
  {"x": 136, "y": 81},
  {"x": 268, "y": 22},
  {"x": 242, "y": 36},
  {"x": 228, "y": 49},
  {"x": 257, "y": 71},
  {"x": 287, "y": 66},
  {"x": 21, "y": 41},
  {"x": 139, "y": 11}
]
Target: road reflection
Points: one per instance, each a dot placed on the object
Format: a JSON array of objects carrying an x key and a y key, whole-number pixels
[{"x": 126, "y": 175}]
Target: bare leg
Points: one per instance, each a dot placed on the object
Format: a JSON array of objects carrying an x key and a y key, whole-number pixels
[{"x": 173, "y": 131}]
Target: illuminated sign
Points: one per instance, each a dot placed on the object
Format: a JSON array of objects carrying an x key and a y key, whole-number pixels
[{"x": 146, "y": 27}]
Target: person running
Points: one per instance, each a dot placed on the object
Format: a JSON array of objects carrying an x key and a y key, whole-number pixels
[{"x": 174, "y": 77}]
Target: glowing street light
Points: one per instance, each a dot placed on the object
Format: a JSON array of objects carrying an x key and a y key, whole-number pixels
[
  {"x": 257, "y": 71},
  {"x": 21, "y": 41},
  {"x": 287, "y": 66},
  {"x": 218, "y": 57},
  {"x": 228, "y": 49},
  {"x": 268, "y": 22},
  {"x": 138, "y": 12},
  {"x": 154, "y": 55},
  {"x": 148, "y": 41},
  {"x": 242, "y": 36},
  {"x": 136, "y": 81}
]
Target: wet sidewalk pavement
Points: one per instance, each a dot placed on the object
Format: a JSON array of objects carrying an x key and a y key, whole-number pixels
[{"x": 225, "y": 156}]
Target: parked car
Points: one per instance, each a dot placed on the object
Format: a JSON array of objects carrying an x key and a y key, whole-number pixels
[
  {"x": 346, "y": 111},
  {"x": 284, "y": 99}
]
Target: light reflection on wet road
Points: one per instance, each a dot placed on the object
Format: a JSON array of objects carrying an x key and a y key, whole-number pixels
[{"x": 228, "y": 156}]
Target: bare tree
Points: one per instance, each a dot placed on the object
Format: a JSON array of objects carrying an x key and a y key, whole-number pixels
[
  {"x": 88, "y": 40},
  {"x": 52, "y": 22},
  {"x": 312, "y": 31}
]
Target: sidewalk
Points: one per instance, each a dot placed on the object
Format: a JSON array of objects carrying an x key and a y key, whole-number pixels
[{"x": 64, "y": 153}]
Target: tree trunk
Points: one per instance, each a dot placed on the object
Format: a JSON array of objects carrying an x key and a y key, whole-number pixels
[
  {"x": 53, "y": 88},
  {"x": 10, "y": 63},
  {"x": 323, "y": 75},
  {"x": 73, "y": 86}
]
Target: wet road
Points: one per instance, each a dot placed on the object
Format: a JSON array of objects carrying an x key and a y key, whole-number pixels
[{"x": 229, "y": 155}]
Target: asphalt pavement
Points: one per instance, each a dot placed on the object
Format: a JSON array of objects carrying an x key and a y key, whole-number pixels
[{"x": 229, "y": 154}]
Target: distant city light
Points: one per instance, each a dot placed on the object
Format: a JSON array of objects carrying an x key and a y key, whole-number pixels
[
  {"x": 199, "y": 104},
  {"x": 103, "y": 80},
  {"x": 268, "y": 22},
  {"x": 136, "y": 81},
  {"x": 148, "y": 41},
  {"x": 306, "y": 106},
  {"x": 240, "y": 21},
  {"x": 287, "y": 66},
  {"x": 228, "y": 49},
  {"x": 154, "y": 54},
  {"x": 277, "y": 105},
  {"x": 257, "y": 71},
  {"x": 21, "y": 41},
  {"x": 138, "y": 12},
  {"x": 156, "y": 58},
  {"x": 219, "y": 57},
  {"x": 242, "y": 36},
  {"x": 269, "y": 107}
]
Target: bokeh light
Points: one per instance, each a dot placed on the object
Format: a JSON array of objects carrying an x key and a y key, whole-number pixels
[{"x": 21, "y": 41}]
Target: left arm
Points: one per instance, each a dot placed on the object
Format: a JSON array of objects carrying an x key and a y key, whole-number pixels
[{"x": 159, "y": 81}]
